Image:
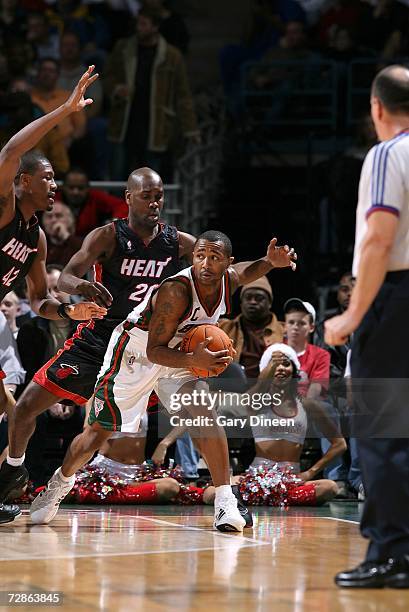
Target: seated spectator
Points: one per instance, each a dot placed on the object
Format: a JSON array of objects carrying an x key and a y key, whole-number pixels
[
  {"x": 293, "y": 45},
  {"x": 255, "y": 328},
  {"x": 12, "y": 21},
  {"x": 172, "y": 26},
  {"x": 91, "y": 207},
  {"x": 346, "y": 474},
  {"x": 48, "y": 97},
  {"x": 20, "y": 58},
  {"x": 72, "y": 67},
  {"x": 10, "y": 307},
  {"x": 88, "y": 21},
  {"x": 10, "y": 362},
  {"x": 59, "y": 227},
  {"x": 338, "y": 353},
  {"x": 42, "y": 37},
  {"x": 314, "y": 362}
]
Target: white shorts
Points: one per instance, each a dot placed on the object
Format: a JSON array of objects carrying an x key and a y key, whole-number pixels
[{"x": 127, "y": 379}]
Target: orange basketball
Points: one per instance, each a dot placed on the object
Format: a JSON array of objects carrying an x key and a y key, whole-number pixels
[{"x": 220, "y": 341}]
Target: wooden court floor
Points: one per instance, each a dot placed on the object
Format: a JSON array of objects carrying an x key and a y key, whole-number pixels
[{"x": 152, "y": 558}]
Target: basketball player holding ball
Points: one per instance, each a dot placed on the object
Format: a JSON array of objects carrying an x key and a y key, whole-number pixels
[{"x": 143, "y": 355}]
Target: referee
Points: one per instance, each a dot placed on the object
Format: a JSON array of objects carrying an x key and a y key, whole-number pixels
[{"x": 378, "y": 314}]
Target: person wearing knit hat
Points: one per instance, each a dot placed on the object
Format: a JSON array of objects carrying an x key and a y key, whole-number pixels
[{"x": 256, "y": 327}]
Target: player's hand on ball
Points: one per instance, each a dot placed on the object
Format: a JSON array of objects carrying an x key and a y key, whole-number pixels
[
  {"x": 85, "y": 311},
  {"x": 205, "y": 359},
  {"x": 281, "y": 256}
]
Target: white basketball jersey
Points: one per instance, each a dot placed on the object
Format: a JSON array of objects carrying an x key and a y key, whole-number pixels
[{"x": 197, "y": 314}]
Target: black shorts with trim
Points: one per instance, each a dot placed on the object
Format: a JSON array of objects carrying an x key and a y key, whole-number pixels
[{"x": 72, "y": 373}]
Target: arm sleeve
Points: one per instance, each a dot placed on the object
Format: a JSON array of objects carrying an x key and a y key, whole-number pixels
[{"x": 388, "y": 188}]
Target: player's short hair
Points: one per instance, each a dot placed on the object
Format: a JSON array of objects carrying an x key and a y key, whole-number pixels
[
  {"x": 216, "y": 236},
  {"x": 391, "y": 87},
  {"x": 30, "y": 161},
  {"x": 138, "y": 175}
]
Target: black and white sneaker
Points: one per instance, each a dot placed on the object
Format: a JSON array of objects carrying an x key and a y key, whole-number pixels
[
  {"x": 8, "y": 513},
  {"x": 244, "y": 511},
  {"x": 227, "y": 517},
  {"x": 12, "y": 481}
]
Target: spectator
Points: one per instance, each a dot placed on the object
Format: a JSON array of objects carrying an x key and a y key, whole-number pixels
[
  {"x": 12, "y": 21},
  {"x": 72, "y": 68},
  {"x": 292, "y": 46},
  {"x": 59, "y": 227},
  {"x": 43, "y": 39},
  {"x": 88, "y": 22},
  {"x": 347, "y": 476},
  {"x": 255, "y": 328},
  {"x": 10, "y": 307},
  {"x": 19, "y": 57},
  {"x": 9, "y": 357},
  {"x": 314, "y": 361},
  {"x": 338, "y": 353},
  {"x": 147, "y": 83},
  {"x": 48, "y": 97},
  {"x": 91, "y": 207},
  {"x": 17, "y": 110},
  {"x": 172, "y": 26}
]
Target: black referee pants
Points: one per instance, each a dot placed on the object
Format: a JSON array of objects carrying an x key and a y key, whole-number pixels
[{"x": 380, "y": 378}]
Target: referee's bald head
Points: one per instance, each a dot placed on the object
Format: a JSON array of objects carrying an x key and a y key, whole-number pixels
[{"x": 391, "y": 88}]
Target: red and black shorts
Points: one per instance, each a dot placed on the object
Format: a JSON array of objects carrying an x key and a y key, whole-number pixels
[{"x": 72, "y": 373}]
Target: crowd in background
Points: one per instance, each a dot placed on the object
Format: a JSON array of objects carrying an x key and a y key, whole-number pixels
[{"x": 144, "y": 114}]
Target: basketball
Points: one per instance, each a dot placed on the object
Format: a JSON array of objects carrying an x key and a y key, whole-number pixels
[{"x": 220, "y": 341}]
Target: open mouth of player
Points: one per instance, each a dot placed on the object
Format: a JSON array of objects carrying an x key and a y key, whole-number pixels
[{"x": 51, "y": 198}]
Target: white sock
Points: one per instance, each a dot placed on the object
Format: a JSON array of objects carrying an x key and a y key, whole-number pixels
[
  {"x": 15, "y": 461},
  {"x": 223, "y": 491},
  {"x": 62, "y": 477}
]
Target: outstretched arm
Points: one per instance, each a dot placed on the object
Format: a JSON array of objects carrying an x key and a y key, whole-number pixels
[
  {"x": 29, "y": 136},
  {"x": 276, "y": 257},
  {"x": 41, "y": 301}
]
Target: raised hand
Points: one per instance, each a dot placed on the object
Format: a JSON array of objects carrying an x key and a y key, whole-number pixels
[
  {"x": 96, "y": 292},
  {"x": 77, "y": 100},
  {"x": 85, "y": 311},
  {"x": 281, "y": 256}
]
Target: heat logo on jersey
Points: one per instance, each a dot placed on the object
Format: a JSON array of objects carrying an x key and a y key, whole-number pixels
[
  {"x": 17, "y": 250},
  {"x": 66, "y": 370},
  {"x": 144, "y": 267}
]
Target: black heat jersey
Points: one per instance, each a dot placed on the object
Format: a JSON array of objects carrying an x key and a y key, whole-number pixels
[
  {"x": 19, "y": 246},
  {"x": 132, "y": 272}
]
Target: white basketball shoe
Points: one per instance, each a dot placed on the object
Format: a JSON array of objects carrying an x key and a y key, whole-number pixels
[
  {"x": 46, "y": 504},
  {"x": 227, "y": 517}
]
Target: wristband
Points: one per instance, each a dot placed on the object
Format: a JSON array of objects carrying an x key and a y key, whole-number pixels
[{"x": 62, "y": 313}]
